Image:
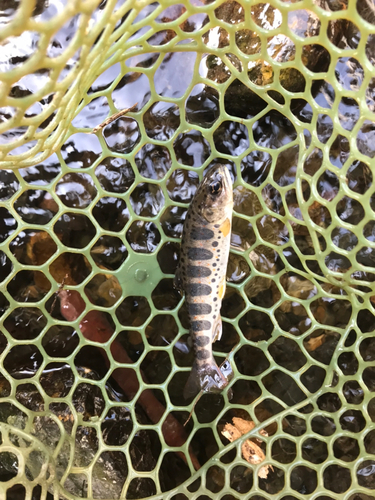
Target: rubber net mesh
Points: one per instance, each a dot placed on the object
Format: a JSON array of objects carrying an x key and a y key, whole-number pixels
[{"x": 93, "y": 338}]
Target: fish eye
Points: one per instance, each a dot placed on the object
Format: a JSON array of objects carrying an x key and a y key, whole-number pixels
[{"x": 215, "y": 187}]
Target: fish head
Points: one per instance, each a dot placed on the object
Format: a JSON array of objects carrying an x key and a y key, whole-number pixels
[{"x": 215, "y": 194}]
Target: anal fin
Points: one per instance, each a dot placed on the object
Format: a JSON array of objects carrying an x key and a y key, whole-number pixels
[
  {"x": 222, "y": 287},
  {"x": 177, "y": 281}
]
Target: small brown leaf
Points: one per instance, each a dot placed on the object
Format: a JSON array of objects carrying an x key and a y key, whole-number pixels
[
  {"x": 40, "y": 247},
  {"x": 263, "y": 471},
  {"x": 244, "y": 426},
  {"x": 103, "y": 290},
  {"x": 231, "y": 433},
  {"x": 251, "y": 451},
  {"x": 49, "y": 203},
  {"x": 315, "y": 342}
]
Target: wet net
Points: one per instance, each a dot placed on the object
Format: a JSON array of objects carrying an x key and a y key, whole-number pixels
[{"x": 94, "y": 348}]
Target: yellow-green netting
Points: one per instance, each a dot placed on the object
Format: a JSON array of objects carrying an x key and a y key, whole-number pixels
[{"x": 94, "y": 349}]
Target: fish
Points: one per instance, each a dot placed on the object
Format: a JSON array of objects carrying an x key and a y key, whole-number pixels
[{"x": 201, "y": 274}]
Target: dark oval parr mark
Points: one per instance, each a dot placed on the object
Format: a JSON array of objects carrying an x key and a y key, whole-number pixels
[
  {"x": 199, "y": 254},
  {"x": 201, "y": 340},
  {"x": 200, "y": 325},
  {"x": 203, "y": 354},
  {"x": 197, "y": 290},
  {"x": 198, "y": 272},
  {"x": 202, "y": 233},
  {"x": 198, "y": 309}
]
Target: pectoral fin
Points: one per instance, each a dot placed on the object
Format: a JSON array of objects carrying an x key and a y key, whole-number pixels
[
  {"x": 225, "y": 227},
  {"x": 217, "y": 330}
]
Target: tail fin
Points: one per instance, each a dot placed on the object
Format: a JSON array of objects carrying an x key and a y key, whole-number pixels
[{"x": 207, "y": 378}]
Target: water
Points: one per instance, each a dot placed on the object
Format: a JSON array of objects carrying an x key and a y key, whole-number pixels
[
  {"x": 35, "y": 207},
  {"x": 115, "y": 175},
  {"x": 81, "y": 150},
  {"x": 172, "y": 221},
  {"x": 23, "y": 361},
  {"x": 109, "y": 252},
  {"x": 182, "y": 185},
  {"x": 238, "y": 269},
  {"x": 255, "y": 167},
  {"x": 153, "y": 161},
  {"x": 174, "y": 74},
  {"x": 42, "y": 174},
  {"x": 122, "y": 135},
  {"x": 161, "y": 120},
  {"x": 9, "y": 185},
  {"x": 70, "y": 268},
  {"x": 76, "y": 190},
  {"x": 132, "y": 88},
  {"x": 95, "y": 176},
  {"x": 111, "y": 213},
  {"x": 165, "y": 297},
  {"x": 147, "y": 199},
  {"x": 273, "y": 130},
  {"x": 74, "y": 230},
  {"x": 192, "y": 149},
  {"x": 202, "y": 106},
  {"x": 231, "y": 138}
]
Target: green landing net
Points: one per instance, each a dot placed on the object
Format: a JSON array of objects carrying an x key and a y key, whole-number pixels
[{"x": 283, "y": 93}]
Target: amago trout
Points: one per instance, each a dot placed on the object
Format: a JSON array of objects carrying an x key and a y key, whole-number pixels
[{"x": 201, "y": 274}]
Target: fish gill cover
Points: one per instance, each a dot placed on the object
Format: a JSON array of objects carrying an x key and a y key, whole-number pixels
[{"x": 93, "y": 336}]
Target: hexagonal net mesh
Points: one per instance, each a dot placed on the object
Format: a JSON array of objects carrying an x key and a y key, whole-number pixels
[{"x": 94, "y": 338}]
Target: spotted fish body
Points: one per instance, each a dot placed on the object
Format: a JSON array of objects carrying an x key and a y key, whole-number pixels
[{"x": 202, "y": 274}]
